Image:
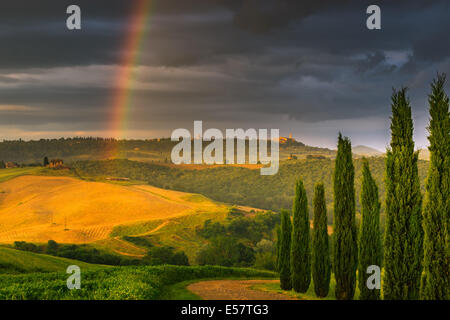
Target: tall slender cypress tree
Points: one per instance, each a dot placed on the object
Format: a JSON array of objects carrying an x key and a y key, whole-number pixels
[
  {"x": 435, "y": 280},
  {"x": 369, "y": 239},
  {"x": 279, "y": 239},
  {"x": 321, "y": 266},
  {"x": 345, "y": 253},
  {"x": 285, "y": 251},
  {"x": 403, "y": 252},
  {"x": 300, "y": 249}
]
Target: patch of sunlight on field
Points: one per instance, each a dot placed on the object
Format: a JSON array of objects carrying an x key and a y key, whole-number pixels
[
  {"x": 179, "y": 233},
  {"x": 116, "y": 245},
  {"x": 197, "y": 201},
  {"x": 195, "y": 198},
  {"x": 136, "y": 229},
  {"x": 68, "y": 210},
  {"x": 16, "y": 261}
]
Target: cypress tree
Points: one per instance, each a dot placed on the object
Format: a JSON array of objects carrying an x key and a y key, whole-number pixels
[
  {"x": 279, "y": 239},
  {"x": 369, "y": 233},
  {"x": 435, "y": 279},
  {"x": 300, "y": 250},
  {"x": 46, "y": 162},
  {"x": 285, "y": 250},
  {"x": 321, "y": 266},
  {"x": 345, "y": 251},
  {"x": 403, "y": 252}
]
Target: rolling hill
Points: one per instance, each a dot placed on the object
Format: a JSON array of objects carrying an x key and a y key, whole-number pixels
[
  {"x": 15, "y": 261},
  {"x": 69, "y": 210},
  {"x": 243, "y": 186}
]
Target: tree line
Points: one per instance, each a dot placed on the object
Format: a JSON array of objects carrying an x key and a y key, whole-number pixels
[
  {"x": 416, "y": 241},
  {"x": 156, "y": 255},
  {"x": 95, "y": 148}
]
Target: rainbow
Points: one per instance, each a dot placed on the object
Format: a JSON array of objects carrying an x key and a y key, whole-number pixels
[{"x": 123, "y": 84}]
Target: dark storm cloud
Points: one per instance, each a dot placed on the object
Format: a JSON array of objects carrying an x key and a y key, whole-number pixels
[
  {"x": 34, "y": 33},
  {"x": 231, "y": 60}
]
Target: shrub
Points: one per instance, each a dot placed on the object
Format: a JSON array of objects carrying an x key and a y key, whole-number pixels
[
  {"x": 265, "y": 260},
  {"x": 52, "y": 247},
  {"x": 225, "y": 251},
  {"x": 165, "y": 255}
]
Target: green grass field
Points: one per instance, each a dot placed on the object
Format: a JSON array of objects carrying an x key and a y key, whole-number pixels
[
  {"x": 116, "y": 283},
  {"x": 179, "y": 291},
  {"x": 15, "y": 261},
  {"x": 179, "y": 233}
]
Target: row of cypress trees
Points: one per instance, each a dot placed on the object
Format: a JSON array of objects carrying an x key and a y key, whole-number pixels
[
  {"x": 417, "y": 262},
  {"x": 416, "y": 243},
  {"x": 296, "y": 259}
]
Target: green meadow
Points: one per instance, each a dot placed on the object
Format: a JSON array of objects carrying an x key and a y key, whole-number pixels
[
  {"x": 15, "y": 262},
  {"x": 116, "y": 283}
]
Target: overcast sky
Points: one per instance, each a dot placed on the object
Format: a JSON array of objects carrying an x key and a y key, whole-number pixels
[{"x": 307, "y": 67}]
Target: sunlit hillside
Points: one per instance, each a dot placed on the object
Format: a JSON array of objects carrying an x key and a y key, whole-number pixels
[{"x": 64, "y": 209}]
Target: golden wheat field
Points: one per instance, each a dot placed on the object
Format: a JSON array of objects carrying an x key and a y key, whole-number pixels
[{"x": 68, "y": 210}]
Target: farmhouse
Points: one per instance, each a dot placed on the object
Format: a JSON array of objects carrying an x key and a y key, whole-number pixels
[
  {"x": 284, "y": 140},
  {"x": 11, "y": 165},
  {"x": 56, "y": 163}
]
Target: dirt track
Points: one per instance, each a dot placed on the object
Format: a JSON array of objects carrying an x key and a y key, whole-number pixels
[{"x": 234, "y": 290}]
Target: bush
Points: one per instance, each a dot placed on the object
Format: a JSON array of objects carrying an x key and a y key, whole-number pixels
[
  {"x": 165, "y": 255},
  {"x": 91, "y": 255},
  {"x": 52, "y": 247},
  {"x": 226, "y": 252},
  {"x": 265, "y": 246},
  {"x": 265, "y": 260},
  {"x": 26, "y": 246},
  {"x": 253, "y": 228},
  {"x": 211, "y": 230}
]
